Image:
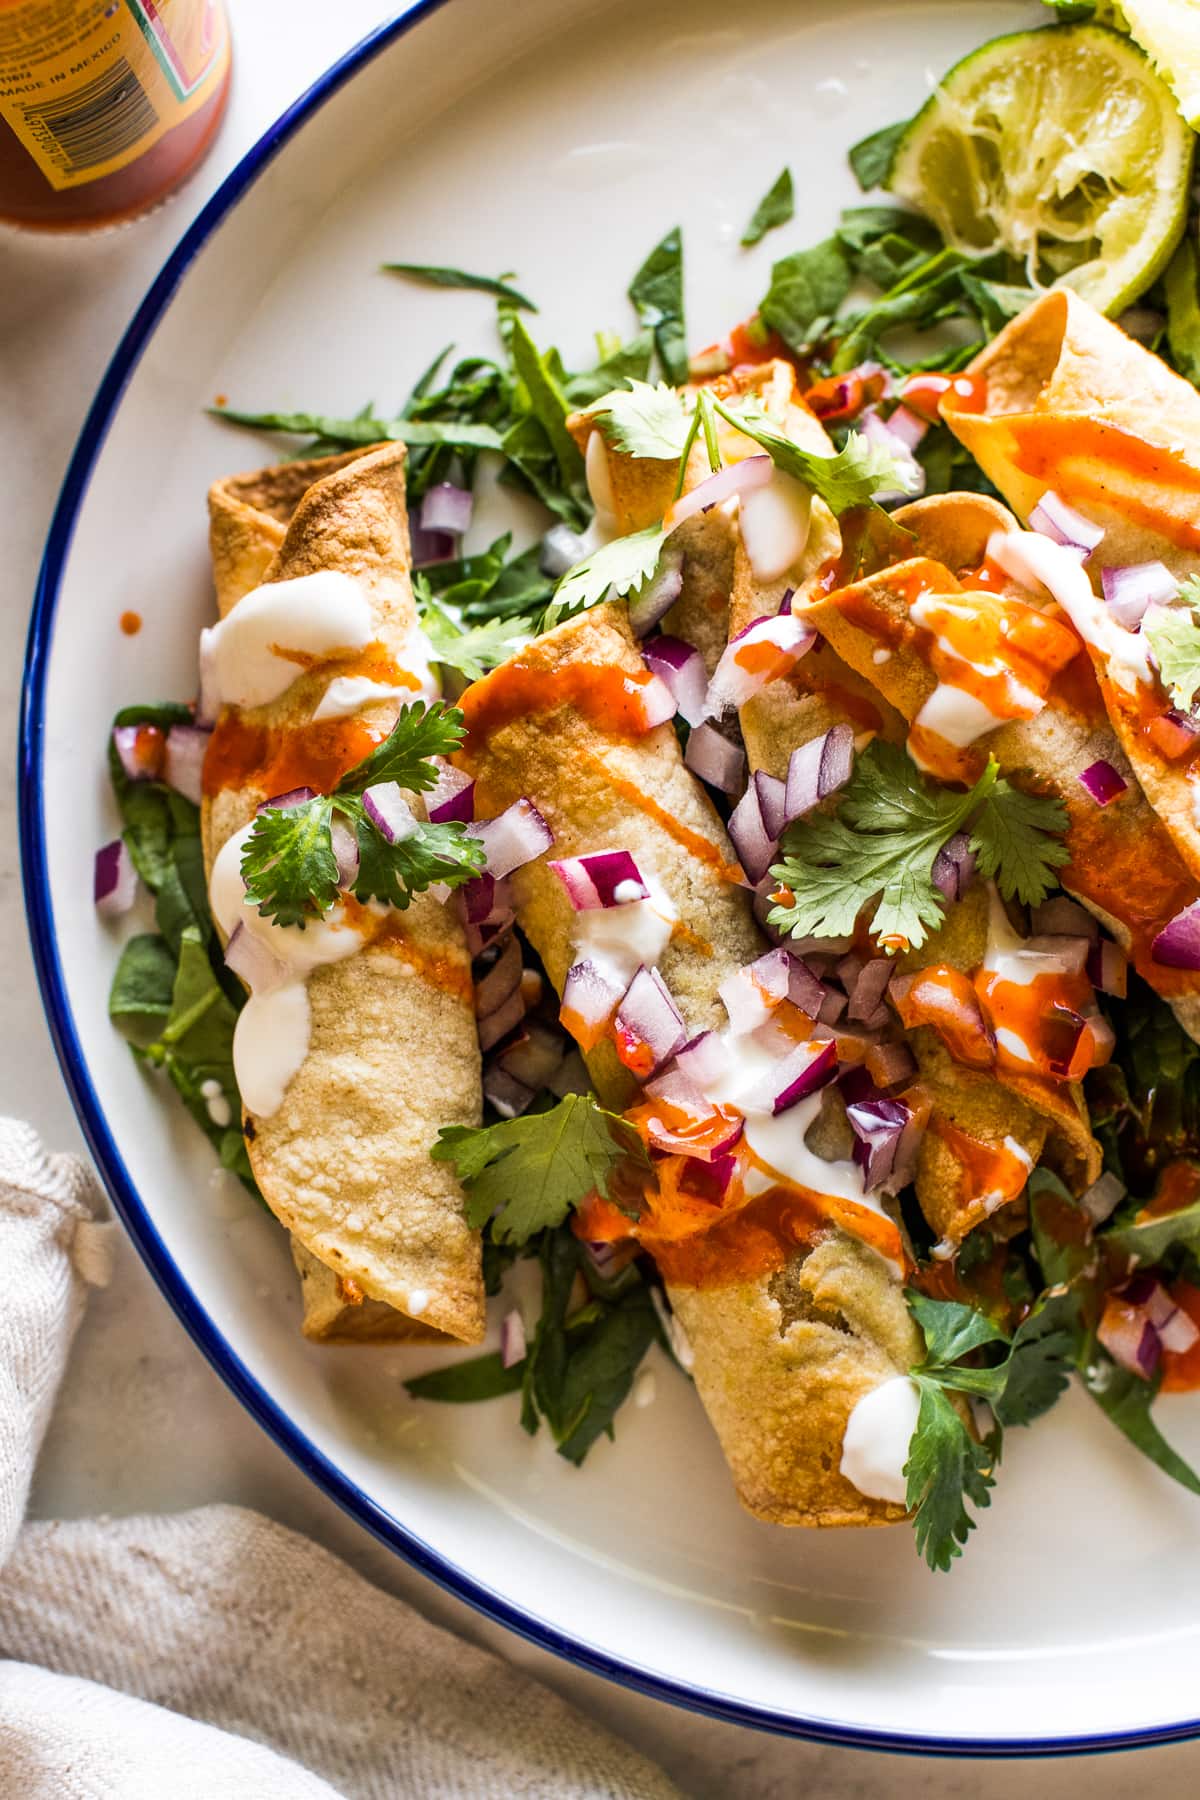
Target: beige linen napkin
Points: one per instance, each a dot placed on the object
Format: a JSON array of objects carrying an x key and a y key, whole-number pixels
[{"x": 213, "y": 1654}]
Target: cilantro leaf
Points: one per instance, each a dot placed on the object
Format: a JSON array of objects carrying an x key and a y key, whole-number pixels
[
  {"x": 421, "y": 731},
  {"x": 945, "y": 1470},
  {"x": 434, "y": 276},
  {"x": 621, "y": 565},
  {"x": 530, "y": 1171},
  {"x": 881, "y": 843},
  {"x": 872, "y": 157},
  {"x": 1173, "y": 633},
  {"x": 657, "y": 294},
  {"x": 848, "y": 477},
  {"x": 951, "y": 1329},
  {"x": 806, "y": 291},
  {"x": 1012, "y": 836},
  {"x": 394, "y": 873},
  {"x": 473, "y": 649},
  {"x": 644, "y": 421},
  {"x": 288, "y": 864},
  {"x": 775, "y": 208},
  {"x": 1040, "y": 1361}
]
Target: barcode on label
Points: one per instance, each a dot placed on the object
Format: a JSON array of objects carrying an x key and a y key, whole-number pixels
[{"x": 96, "y": 122}]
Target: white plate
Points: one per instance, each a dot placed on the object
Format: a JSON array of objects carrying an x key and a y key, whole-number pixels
[{"x": 561, "y": 140}]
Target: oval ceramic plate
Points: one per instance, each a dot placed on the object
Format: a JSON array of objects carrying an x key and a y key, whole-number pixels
[{"x": 561, "y": 141}]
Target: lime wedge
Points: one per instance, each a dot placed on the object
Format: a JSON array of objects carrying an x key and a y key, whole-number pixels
[
  {"x": 1061, "y": 146},
  {"x": 1169, "y": 33}
]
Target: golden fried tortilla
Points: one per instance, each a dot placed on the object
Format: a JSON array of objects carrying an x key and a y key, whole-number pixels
[
  {"x": 778, "y": 1381},
  {"x": 344, "y": 1163}
]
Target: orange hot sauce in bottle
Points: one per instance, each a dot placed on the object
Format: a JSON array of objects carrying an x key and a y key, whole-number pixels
[{"x": 105, "y": 105}]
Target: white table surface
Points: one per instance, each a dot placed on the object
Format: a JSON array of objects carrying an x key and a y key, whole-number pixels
[{"x": 143, "y": 1423}]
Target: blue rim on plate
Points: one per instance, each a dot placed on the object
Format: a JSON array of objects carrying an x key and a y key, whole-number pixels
[{"x": 128, "y": 1202}]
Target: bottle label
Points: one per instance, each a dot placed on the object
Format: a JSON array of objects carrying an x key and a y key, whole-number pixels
[{"x": 88, "y": 88}]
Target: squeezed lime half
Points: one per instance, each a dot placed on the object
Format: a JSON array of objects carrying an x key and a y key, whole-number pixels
[{"x": 1061, "y": 146}]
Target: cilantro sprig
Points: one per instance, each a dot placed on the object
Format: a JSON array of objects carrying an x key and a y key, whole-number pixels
[
  {"x": 1173, "y": 633},
  {"x": 471, "y": 649},
  {"x": 526, "y": 1174},
  {"x": 644, "y": 420},
  {"x": 949, "y": 1467},
  {"x": 881, "y": 844},
  {"x": 288, "y": 864},
  {"x": 852, "y": 476}
]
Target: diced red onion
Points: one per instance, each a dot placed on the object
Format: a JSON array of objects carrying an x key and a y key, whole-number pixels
[
  {"x": 534, "y": 1056},
  {"x": 591, "y": 996},
  {"x": 772, "y": 803},
  {"x": 499, "y": 1023},
  {"x": 1129, "y": 591},
  {"x": 773, "y": 646},
  {"x": 735, "y": 478},
  {"x": 502, "y": 1091},
  {"x": 1062, "y": 917},
  {"x": 908, "y": 426},
  {"x": 869, "y": 989},
  {"x": 800, "y": 1073},
  {"x": 755, "y": 847},
  {"x": 804, "y": 989},
  {"x": 479, "y": 937},
  {"x": 714, "y": 759},
  {"x": 571, "y": 1077},
  {"x": 649, "y": 603},
  {"x": 702, "y": 1059},
  {"x": 389, "y": 812},
  {"x": 446, "y": 508},
  {"x": 429, "y": 547},
  {"x": 818, "y": 769},
  {"x": 911, "y": 473},
  {"x": 1069, "y": 954},
  {"x": 878, "y": 1125},
  {"x": 832, "y": 1006},
  {"x": 849, "y": 968},
  {"x": 674, "y": 1087},
  {"x": 750, "y": 995},
  {"x": 114, "y": 879},
  {"x": 890, "y": 1065},
  {"x": 1101, "y": 782},
  {"x": 681, "y": 666},
  {"x": 663, "y": 1136},
  {"x": 1129, "y": 1337},
  {"x": 283, "y": 802},
  {"x": 561, "y": 549},
  {"x": 451, "y": 799},
  {"x": 502, "y": 979},
  {"x": 954, "y": 866},
  {"x": 1179, "y": 1333},
  {"x": 1108, "y": 968},
  {"x": 774, "y": 525},
  {"x": 513, "y": 1347},
  {"x": 657, "y": 702},
  {"x": 345, "y": 852},
  {"x": 1177, "y": 945},
  {"x": 1055, "y": 519},
  {"x": 141, "y": 749},
  {"x": 649, "y": 1025},
  {"x": 485, "y": 900},
  {"x": 514, "y": 838},
  {"x": 252, "y": 961},
  {"x": 1103, "y": 1197},
  {"x": 602, "y": 879}
]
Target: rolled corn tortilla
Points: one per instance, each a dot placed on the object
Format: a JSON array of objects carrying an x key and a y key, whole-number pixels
[
  {"x": 1073, "y": 405},
  {"x": 782, "y": 1357},
  {"x": 393, "y": 1054},
  {"x": 982, "y": 1136},
  {"x": 1124, "y": 866}
]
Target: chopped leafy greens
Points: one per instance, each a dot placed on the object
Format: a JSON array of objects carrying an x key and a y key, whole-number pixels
[
  {"x": 657, "y": 294},
  {"x": 806, "y": 290},
  {"x": 884, "y": 837},
  {"x": 473, "y": 649},
  {"x": 526, "y": 1174},
  {"x": 1173, "y": 633},
  {"x": 435, "y": 276},
  {"x": 1181, "y": 286},
  {"x": 872, "y": 157},
  {"x": 775, "y": 208},
  {"x": 288, "y": 864}
]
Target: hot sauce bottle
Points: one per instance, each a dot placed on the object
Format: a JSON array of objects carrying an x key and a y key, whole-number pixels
[{"x": 105, "y": 105}]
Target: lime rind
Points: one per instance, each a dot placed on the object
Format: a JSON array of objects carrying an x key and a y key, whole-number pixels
[{"x": 1062, "y": 147}]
